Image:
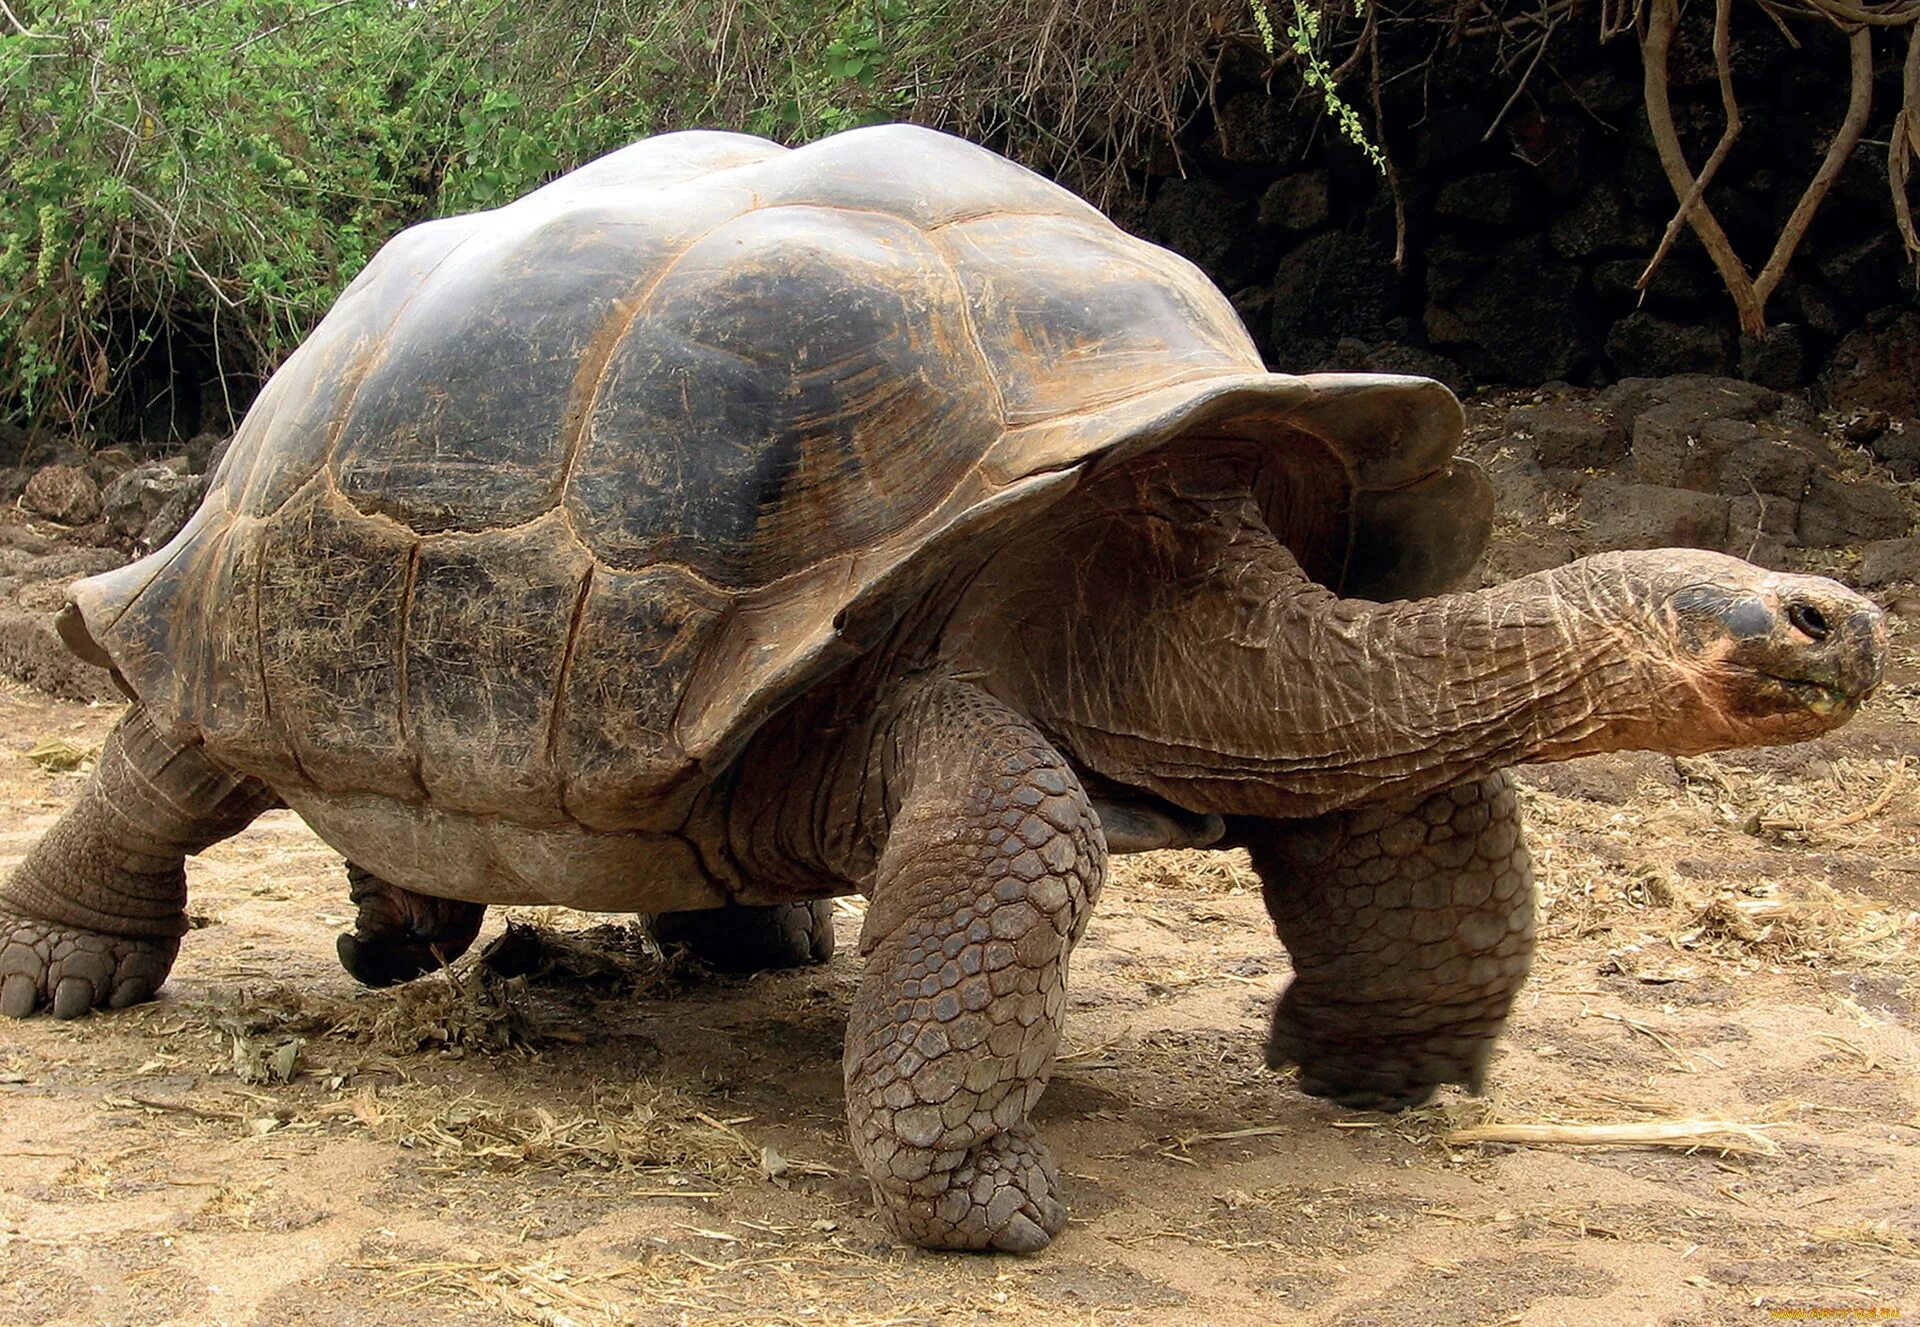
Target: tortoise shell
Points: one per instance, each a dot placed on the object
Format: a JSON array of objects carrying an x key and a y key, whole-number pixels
[{"x": 561, "y": 501}]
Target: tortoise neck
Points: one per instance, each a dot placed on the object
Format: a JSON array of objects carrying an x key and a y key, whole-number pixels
[
  {"x": 1185, "y": 653},
  {"x": 1338, "y": 702}
]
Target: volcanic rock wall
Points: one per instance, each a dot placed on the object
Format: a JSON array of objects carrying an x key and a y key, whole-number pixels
[{"x": 1530, "y": 217}]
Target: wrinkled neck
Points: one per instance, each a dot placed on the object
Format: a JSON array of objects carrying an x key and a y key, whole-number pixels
[
  {"x": 1186, "y": 654},
  {"x": 1337, "y": 701}
]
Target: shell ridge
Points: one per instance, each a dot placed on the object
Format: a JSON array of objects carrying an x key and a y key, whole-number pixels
[
  {"x": 693, "y": 574},
  {"x": 267, "y": 708},
  {"x": 383, "y": 342},
  {"x": 938, "y": 248},
  {"x": 995, "y": 213},
  {"x": 167, "y": 557},
  {"x": 403, "y": 718},
  {"x": 219, "y": 487}
]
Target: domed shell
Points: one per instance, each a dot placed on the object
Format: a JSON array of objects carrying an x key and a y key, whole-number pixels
[{"x": 561, "y": 501}]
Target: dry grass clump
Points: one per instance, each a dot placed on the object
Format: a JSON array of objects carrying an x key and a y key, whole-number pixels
[
  {"x": 1821, "y": 926},
  {"x": 253, "y": 1207},
  {"x": 655, "y": 1127},
  {"x": 476, "y": 1010},
  {"x": 641, "y": 1127},
  {"x": 1881, "y": 1235},
  {"x": 1848, "y": 802},
  {"x": 1803, "y": 922},
  {"x": 1716, "y": 867},
  {"x": 1185, "y": 870},
  {"x": 487, "y": 1005}
]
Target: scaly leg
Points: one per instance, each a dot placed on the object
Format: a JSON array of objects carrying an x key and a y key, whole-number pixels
[
  {"x": 400, "y": 935},
  {"x": 738, "y": 938},
  {"x": 993, "y": 858},
  {"x": 92, "y": 917},
  {"x": 1410, "y": 930}
]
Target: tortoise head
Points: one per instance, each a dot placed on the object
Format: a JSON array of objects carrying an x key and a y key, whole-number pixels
[{"x": 1758, "y": 656}]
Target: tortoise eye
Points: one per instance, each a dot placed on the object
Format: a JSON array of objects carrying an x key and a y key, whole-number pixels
[{"x": 1809, "y": 620}]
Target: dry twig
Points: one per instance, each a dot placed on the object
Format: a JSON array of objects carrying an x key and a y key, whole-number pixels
[{"x": 1723, "y": 1136}]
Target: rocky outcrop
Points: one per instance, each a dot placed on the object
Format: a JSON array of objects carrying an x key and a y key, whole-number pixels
[
  {"x": 34, "y": 574},
  {"x": 1878, "y": 368},
  {"x": 147, "y": 505},
  {"x": 63, "y": 493},
  {"x": 1703, "y": 462}
]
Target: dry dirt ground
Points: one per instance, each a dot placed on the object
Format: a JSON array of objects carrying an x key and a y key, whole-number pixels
[{"x": 616, "y": 1139}]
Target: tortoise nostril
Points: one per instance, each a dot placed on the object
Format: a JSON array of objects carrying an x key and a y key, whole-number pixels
[{"x": 1809, "y": 620}]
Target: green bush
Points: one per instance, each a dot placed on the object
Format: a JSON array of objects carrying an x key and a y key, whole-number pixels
[{"x": 210, "y": 169}]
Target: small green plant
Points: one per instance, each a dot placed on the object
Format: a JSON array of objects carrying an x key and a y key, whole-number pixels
[
  {"x": 216, "y": 169},
  {"x": 1303, "y": 38}
]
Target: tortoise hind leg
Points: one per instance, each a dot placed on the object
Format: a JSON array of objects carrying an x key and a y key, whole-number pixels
[
  {"x": 752, "y": 939},
  {"x": 92, "y": 917},
  {"x": 1410, "y": 930},
  {"x": 400, "y": 935}
]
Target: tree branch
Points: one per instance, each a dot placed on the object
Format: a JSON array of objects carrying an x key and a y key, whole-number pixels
[
  {"x": 23, "y": 29},
  {"x": 1904, "y": 145},
  {"x": 1662, "y": 17},
  {"x": 1722, "y": 12},
  {"x": 295, "y": 21},
  {"x": 1859, "y": 107}
]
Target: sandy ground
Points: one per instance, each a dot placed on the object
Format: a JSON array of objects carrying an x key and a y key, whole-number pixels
[{"x": 619, "y": 1140}]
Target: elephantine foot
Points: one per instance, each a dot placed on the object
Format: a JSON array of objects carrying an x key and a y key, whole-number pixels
[
  {"x": 1003, "y": 1196},
  {"x": 752, "y": 939},
  {"x": 46, "y": 965},
  {"x": 400, "y": 935},
  {"x": 1378, "y": 1073}
]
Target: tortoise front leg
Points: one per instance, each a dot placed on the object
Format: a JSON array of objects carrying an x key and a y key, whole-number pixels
[
  {"x": 1410, "y": 930},
  {"x": 993, "y": 857}
]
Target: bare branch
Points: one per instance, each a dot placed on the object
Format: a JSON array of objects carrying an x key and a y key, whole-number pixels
[
  {"x": 296, "y": 21},
  {"x": 1859, "y": 107},
  {"x": 22, "y": 28},
  {"x": 1380, "y": 134},
  {"x": 1904, "y": 146},
  {"x": 1722, "y": 11},
  {"x": 1525, "y": 78},
  {"x": 1898, "y": 15},
  {"x": 1662, "y": 17}
]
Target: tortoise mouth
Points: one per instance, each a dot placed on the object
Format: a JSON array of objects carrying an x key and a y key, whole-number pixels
[
  {"x": 1831, "y": 693},
  {"x": 1807, "y": 647},
  {"x": 1826, "y": 699}
]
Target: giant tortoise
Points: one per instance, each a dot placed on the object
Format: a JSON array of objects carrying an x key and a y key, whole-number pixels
[{"x": 722, "y": 528}]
